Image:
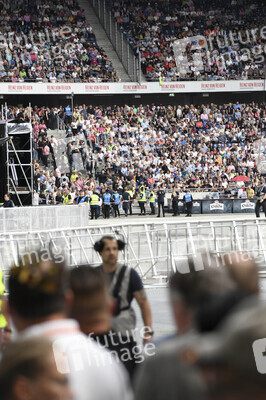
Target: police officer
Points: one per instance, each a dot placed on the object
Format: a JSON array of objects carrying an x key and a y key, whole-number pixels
[
  {"x": 82, "y": 198},
  {"x": 94, "y": 203},
  {"x": 116, "y": 202},
  {"x": 188, "y": 200},
  {"x": 129, "y": 190},
  {"x": 160, "y": 200},
  {"x": 125, "y": 284},
  {"x": 260, "y": 192},
  {"x": 152, "y": 202},
  {"x": 67, "y": 198},
  {"x": 142, "y": 200},
  {"x": 175, "y": 199},
  {"x": 126, "y": 202},
  {"x": 106, "y": 204}
]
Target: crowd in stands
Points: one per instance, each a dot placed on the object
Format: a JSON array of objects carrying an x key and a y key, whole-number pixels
[
  {"x": 201, "y": 147},
  {"x": 232, "y": 32},
  {"x": 50, "y": 41}
]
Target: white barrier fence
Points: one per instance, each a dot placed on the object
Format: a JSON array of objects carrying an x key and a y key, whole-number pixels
[
  {"x": 42, "y": 218},
  {"x": 154, "y": 249}
]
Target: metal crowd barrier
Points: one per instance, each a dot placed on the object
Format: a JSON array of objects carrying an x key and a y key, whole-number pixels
[{"x": 153, "y": 249}]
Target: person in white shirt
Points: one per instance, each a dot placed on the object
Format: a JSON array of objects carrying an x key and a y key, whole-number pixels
[{"x": 39, "y": 300}]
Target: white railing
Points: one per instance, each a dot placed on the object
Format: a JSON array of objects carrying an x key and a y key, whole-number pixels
[{"x": 154, "y": 249}]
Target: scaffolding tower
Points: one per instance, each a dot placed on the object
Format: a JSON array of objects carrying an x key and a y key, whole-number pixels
[{"x": 19, "y": 162}]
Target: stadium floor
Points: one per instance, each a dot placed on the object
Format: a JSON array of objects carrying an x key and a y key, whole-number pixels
[
  {"x": 163, "y": 322},
  {"x": 169, "y": 218}
]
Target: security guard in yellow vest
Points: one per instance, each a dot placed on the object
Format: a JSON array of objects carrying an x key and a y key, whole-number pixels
[
  {"x": 4, "y": 328},
  {"x": 131, "y": 194},
  {"x": 152, "y": 202},
  {"x": 142, "y": 200},
  {"x": 94, "y": 203},
  {"x": 67, "y": 198}
]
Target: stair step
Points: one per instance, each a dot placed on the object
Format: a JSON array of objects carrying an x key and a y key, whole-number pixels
[{"x": 103, "y": 41}]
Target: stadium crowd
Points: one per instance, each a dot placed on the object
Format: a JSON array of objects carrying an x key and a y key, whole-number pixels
[
  {"x": 232, "y": 49},
  {"x": 121, "y": 146},
  {"x": 50, "y": 41},
  {"x": 196, "y": 147}
]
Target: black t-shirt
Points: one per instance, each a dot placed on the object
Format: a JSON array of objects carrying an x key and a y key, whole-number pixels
[
  {"x": 160, "y": 196},
  {"x": 135, "y": 282},
  {"x": 8, "y": 204},
  {"x": 126, "y": 196}
]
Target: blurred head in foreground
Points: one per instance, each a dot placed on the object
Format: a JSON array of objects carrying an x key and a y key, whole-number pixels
[
  {"x": 28, "y": 371},
  {"x": 243, "y": 270},
  {"x": 38, "y": 289},
  {"x": 212, "y": 286},
  {"x": 91, "y": 303},
  {"x": 232, "y": 361},
  {"x": 192, "y": 288}
]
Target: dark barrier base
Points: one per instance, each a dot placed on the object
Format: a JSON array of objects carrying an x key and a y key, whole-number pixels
[{"x": 221, "y": 206}]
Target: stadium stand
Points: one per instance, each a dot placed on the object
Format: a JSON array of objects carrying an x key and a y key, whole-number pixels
[
  {"x": 50, "y": 41},
  {"x": 139, "y": 145},
  {"x": 231, "y": 48}
]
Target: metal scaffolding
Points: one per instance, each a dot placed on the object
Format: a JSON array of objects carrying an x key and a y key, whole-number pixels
[{"x": 22, "y": 187}]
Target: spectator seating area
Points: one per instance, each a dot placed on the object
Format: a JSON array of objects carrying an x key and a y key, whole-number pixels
[
  {"x": 50, "y": 41},
  {"x": 196, "y": 146},
  {"x": 232, "y": 31}
]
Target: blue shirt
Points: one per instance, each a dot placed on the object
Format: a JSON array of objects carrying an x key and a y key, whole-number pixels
[{"x": 68, "y": 111}]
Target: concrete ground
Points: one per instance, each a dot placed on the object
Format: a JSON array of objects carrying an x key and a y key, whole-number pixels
[
  {"x": 163, "y": 322},
  {"x": 169, "y": 218}
]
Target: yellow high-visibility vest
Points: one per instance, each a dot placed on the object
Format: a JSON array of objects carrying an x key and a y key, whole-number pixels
[
  {"x": 143, "y": 198},
  {"x": 2, "y": 291},
  {"x": 94, "y": 200},
  {"x": 152, "y": 197},
  {"x": 66, "y": 200}
]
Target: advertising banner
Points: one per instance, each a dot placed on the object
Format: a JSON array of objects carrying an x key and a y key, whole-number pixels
[
  {"x": 130, "y": 87},
  {"x": 244, "y": 205},
  {"x": 217, "y": 206}
]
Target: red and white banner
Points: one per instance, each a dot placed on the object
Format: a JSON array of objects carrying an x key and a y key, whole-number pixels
[{"x": 130, "y": 87}]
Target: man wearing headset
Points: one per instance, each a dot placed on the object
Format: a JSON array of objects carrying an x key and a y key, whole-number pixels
[{"x": 125, "y": 285}]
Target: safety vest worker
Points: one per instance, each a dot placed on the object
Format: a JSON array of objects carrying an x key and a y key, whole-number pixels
[
  {"x": 94, "y": 200},
  {"x": 142, "y": 197},
  {"x": 67, "y": 199},
  {"x": 152, "y": 197},
  {"x": 188, "y": 198},
  {"x": 116, "y": 198},
  {"x": 107, "y": 199},
  {"x": 80, "y": 200},
  {"x": 2, "y": 291}
]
